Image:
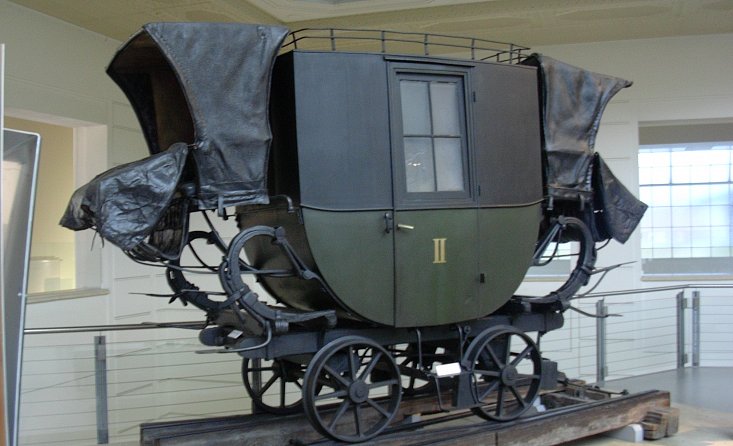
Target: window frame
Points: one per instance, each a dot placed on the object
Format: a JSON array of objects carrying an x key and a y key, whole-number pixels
[
  {"x": 678, "y": 268},
  {"x": 436, "y": 199}
]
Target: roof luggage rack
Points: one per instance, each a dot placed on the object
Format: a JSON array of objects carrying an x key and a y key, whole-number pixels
[{"x": 395, "y": 42}]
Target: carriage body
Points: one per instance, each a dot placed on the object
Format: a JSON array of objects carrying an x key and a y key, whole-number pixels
[{"x": 417, "y": 182}]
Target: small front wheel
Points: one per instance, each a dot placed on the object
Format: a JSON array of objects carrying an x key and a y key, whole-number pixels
[
  {"x": 507, "y": 371},
  {"x": 274, "y": 385}
]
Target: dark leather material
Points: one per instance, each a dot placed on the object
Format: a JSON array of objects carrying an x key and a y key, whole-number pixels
[
  {"x": 620, "y": 211},
  {"x": 125, "y": 203},
  {"x": 572, "y": 103},
  {"x": 208, "y": 85}
]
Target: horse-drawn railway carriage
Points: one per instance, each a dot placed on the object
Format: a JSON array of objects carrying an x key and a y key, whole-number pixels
[{"x": 391, "y": 204}]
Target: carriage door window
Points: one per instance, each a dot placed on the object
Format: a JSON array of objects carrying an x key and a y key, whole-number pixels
[{"x": 433, "y": 151}]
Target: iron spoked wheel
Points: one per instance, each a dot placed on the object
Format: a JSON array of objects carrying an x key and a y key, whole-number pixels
[
  {"x": 267, "y": 382},
  {"x": 507, "y": 370},
  {"x": 351, "y": 389}
]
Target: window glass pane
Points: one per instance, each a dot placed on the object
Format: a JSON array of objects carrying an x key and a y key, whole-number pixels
[
  {"x": 681, "y": 216},
  {"x": 719, "y": 194},
  {"x": 660, "y": 174},
  {"x": 661, "y": 217},
  {"x": 415, "y": 107},
  {"x": 720, "y": 237},
  {"x": 419, "y": 169},
  {"x": 646, "y": 160},
  {"x": 700, "y": 252},
  {"x": 681, "y": 195},
  {"x": 681, "y": 253},
  {"x": 718, "y": 174},
  {"x": 700, "y": 174},
  {"x": 660, "y": 196},
  {"x": 681, "y": 237},
  {"x": 448, "y": 164},
  {"x": 646, "y": 240},
  {"x": 681, "y": 174},
  {"x": 700, "y": 194},
  {"x": 700, "y": 237},
  {"x": 700, "y": 215},
  {"x": 645, "y": 194},
  {"x": 720, "y": 215},
  {"x": 662, "y": 253},
  {"x": 662, "y": 237},
  {"x": 444, "y": 102}
]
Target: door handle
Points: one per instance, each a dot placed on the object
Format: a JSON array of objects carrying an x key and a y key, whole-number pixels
[{"x": 405, "y": 227}]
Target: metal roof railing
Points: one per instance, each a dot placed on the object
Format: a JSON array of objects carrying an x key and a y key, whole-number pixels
[{"x": 399, "y": 42}]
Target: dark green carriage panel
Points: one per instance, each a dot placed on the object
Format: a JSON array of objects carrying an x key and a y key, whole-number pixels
[
  {"x": 506, "y": 245},
  {"x": 355, "y": 257},
  {"x": 436, "y": 272},
  {"x": 295, "y": 292}
]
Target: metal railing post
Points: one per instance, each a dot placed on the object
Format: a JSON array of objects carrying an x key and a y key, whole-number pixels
[
  {"x": 695, "y": 328},
  {"x": 681, "y": 305},
  {"x": 100, "y": 382},
  {"x": 601, "y": 366}
]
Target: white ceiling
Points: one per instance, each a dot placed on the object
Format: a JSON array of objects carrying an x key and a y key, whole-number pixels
[{"x": 525, "y": 22}]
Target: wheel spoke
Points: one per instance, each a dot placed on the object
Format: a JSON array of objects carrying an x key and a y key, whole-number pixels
[
  {"x": 336, "y": 376},
  {"x": 268, "y": 384},
  {"x": 494, "y": 356},
  {"x": 508, "y": 348},
  {"x": 378, "y": 408},
  {"x": 500, "y": 401},
  {"x": 491, "y": 373},
  {"x": 282, "y": 392},
  {"x": 531, "y": 377},
  {"x": 339, "y": 413},
  {"x": 522, "y": 355},
  {"x": 336, "y": 394},
  {"x": 352, "y": 363},
  {"x": 390, "y": 382},
  {"x": 375, "y": 359},
  {"x": 518, "y": 396},
  {"x": 489, "y": 390},
  {"x": 357, "y": 419}
]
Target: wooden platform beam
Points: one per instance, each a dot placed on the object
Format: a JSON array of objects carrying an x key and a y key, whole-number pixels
[{"x": 568, "y": 421}]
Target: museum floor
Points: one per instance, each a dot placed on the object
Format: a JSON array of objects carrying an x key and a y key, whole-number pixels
[{"x": 704, "y": 396}]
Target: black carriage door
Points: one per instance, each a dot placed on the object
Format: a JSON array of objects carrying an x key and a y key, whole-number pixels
[{"x": 435, "y": 213}]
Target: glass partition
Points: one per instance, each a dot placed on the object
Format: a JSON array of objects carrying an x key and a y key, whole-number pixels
[{"x": 19, "y": 171}]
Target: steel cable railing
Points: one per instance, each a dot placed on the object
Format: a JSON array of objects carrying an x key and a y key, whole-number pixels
[{"x": 162, "y": 378}]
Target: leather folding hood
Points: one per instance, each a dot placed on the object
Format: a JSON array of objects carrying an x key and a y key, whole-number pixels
[
  {"x": 207, "y": 85},
  {"x": 572, "y": 104},
  {"x": 201, "y": 93}
]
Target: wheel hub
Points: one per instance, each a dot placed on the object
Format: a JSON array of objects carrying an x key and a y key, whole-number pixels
[
  {"x": 509, "y": 375},
  {"x": 359, "y": 391}
]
